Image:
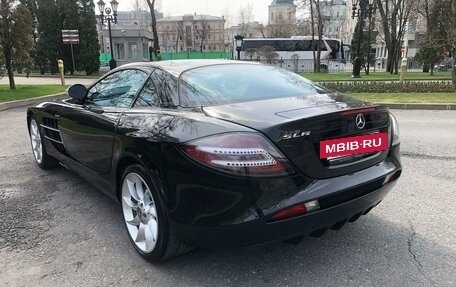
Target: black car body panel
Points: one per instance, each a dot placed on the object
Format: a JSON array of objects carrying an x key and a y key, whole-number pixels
[
  {"x": 211, "y": 208},
  {"x": 322, "y": 119}
]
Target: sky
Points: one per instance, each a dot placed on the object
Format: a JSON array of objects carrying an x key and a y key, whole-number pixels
[{"x": 228, "y": 8}]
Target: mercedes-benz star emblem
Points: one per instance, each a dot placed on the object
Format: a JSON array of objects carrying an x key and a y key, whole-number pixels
[{"x": 360, "y": 121}]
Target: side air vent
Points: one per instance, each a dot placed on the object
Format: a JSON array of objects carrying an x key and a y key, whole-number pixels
[{"x": 52, "y": 133}]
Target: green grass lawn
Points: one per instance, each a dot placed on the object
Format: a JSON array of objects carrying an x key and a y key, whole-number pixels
[
  {"x": 32, "y": 91},
  {"x": 436, "y": 98},
  {"x": 28, "y": 91},
  {"x": 47, "y": 75},
  {"x": 379, "y": 76}
]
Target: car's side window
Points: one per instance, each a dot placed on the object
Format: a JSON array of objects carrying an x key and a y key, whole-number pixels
[
  {"x": 117, "y": 90},
  {"x": 167, "y": 87},
  {"x": 148, "y": 97}
]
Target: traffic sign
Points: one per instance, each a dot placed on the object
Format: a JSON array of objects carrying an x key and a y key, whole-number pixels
[{"x": 70, "y": 37}]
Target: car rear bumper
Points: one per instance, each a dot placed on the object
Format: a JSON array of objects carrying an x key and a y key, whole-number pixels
[{"x": 260, "y": 232}]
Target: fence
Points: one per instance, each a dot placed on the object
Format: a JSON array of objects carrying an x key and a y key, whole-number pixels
[
  {"x": 195, "y": 55},
  {"x": 343, "y": 66}
]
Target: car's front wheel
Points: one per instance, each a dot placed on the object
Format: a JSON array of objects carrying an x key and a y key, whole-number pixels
[
  {"x": 44, "y": 160},
  {"x": 145, "y": 216}
]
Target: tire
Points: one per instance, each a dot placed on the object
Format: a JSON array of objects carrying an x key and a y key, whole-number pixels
[
  {"x": 145, "y": 216},
  {"x": 42, "y": 158}
]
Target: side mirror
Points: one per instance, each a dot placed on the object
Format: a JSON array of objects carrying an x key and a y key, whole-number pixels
[{"x": 78, "y": 92}]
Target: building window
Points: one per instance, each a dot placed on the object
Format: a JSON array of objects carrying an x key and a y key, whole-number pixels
[
  {"x": 132, "y": 51},
  {"x": 272, "y": 16},
  {"x": 119, "y": 51},
  {"x": 280, "y": 16},
  {"x": 145, "y": 51}
]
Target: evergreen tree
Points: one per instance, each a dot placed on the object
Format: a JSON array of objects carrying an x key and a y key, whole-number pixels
[
  {"x": 22, "y": 38},
  {"x": 49, "y": 43},
  {"x": 364, "y": 41},
  {"x": 69, "y": 20},
  {"x": 31, "y": 5},
  {"x": 15, "y": 35},
  {"x": 89, "y": 50}
]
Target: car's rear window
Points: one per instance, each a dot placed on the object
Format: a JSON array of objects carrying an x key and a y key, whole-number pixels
[{"x": 226, "y": 84}]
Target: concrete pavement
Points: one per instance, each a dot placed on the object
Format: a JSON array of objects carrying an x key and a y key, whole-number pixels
[{"x": 58, "y": 230}]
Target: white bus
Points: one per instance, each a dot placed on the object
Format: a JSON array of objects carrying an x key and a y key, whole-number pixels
[{"x": 296, "y": 53}]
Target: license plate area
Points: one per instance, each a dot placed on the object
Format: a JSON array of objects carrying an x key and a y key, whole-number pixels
[{"x": 356, "y": 145}]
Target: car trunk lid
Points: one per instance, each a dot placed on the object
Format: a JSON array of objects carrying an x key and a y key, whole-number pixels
[{"x": 297, "y": 125}]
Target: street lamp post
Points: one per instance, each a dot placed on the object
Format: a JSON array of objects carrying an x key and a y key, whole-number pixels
[
  {"x": 238, "y": 39},
  {"x": 108, "y": 17},
  {"x": 364, "y": 10},
  {"x": 151, "y": 51}
]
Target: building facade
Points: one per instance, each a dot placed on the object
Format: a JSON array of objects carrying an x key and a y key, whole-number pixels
[
  {"x": 202, "y": 33},
  {"x": 247, "y": 30},
  {"x": 131, "y": 36},
  {"x": 333, "y": 13},
  {"x": 282, "y": 19},
  {"x": 414, "y": 35},
  {"x": 128, "y": 45},
  {"x": 138, "y": 19}
]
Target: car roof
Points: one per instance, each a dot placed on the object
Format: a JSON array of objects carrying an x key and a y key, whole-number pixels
[{"x": 177, "y": 67}]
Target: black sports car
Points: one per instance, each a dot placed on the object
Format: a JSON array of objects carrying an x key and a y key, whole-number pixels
[{"x": 220, "y": 154}]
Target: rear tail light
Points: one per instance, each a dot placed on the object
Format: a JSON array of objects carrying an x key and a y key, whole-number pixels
[
  {"x": 296, "y": 210},
  {"x": 392, "y": 177},
  {"x": 395, "y": 140},
  {"x": 357, "y": 112},
  {"x": 239, "y": 153}
]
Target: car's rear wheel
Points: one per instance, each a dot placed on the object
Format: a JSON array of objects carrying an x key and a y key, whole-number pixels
[
  {"x": 43, "y": 160},
  {"x": 145, "y": 216}
]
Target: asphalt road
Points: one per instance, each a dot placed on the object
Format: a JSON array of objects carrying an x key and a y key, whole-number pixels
[{"x": 57, "y": 230}]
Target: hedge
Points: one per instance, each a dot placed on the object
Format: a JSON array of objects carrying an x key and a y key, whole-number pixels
[{"x": 391, "y": 87}]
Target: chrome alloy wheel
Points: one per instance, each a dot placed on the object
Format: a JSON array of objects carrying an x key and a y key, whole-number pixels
[
  {"x": 140, "y": 212},
  {"x": 35, "y": 138}
]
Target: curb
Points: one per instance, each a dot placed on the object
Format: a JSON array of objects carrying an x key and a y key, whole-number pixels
[
  {"x": 398, "y": 106},
  {"x": 28, "y": 102}
]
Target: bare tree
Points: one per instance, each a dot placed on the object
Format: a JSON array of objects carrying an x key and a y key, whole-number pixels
[
  {"x": 15, "y": 35},
  {"x": 251, "y": 53},
  {"x": 444, "y": 28},
  {"x": 151, "y": 4},
  {"x": 179, "y": 34},
  {"x": 316, "y": 28},
  {"x": 245, "y": 19},
  {"x": 202, "y": 32},
  {"x": 430, "y": 50},
  {"x": 281, "y": 29},
  {"x": 319, "y": 18},
  {"x": 394, "y": 15},
  {"x": 269, "y": 54}
]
